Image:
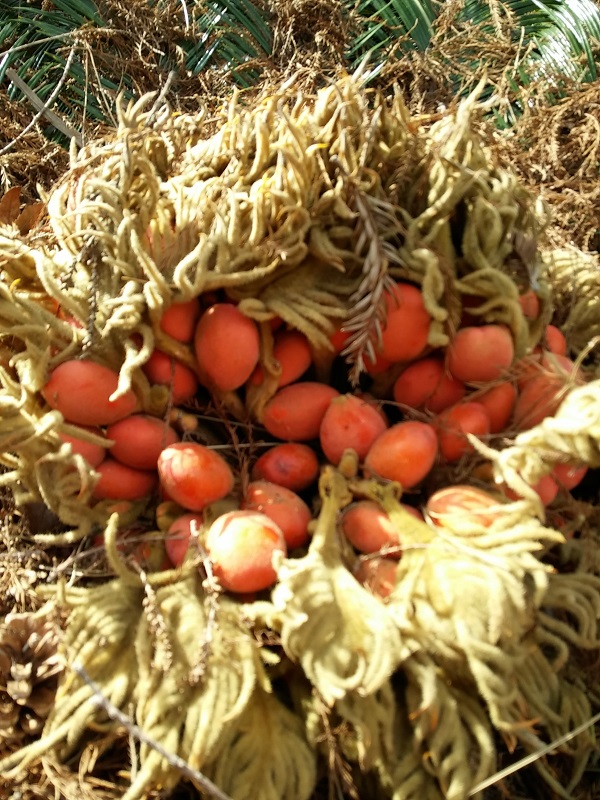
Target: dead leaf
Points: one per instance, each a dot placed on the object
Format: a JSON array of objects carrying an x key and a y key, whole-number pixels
[
  {"x": 10, "y": 205},
  {"x": 29, "y": 217}
]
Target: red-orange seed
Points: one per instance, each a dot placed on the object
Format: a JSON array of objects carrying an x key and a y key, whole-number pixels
[
  {"x": 94, "y": 454},
  {"x": 479, "y": 354},
  {"x": 82, "y": 391},
  {"x": 425, "y": 384},
  {"x": 179, "y": 320},
  {"x": 165, "y": 370},
  {"x": 350, "y": 422},
  {"x": 369, "y": 529},
  {"x": 462, "y": 502},
  {"x": 292, "y": 464},
  {"x": 499, "y": 402},
  {"x": 193, "y": 475},
  {"x": 530, "y": 304},
  {"x": 177, "y": 541},
  {"x": 227, "y": 346},
  {"x": 406, "y": 452},
  {"x": 569, "y": 475},
  {"x": 120, "y": 482},
  {"x": 453, "y": 425},
  {"x": 292, "y": 350},
  {"x": 406, "y": 331},
  {"x": 241, "y": 545},
  {"x": 284, "y": 507},
  {"x": 543, "y": 388},
  {"x": 555, "y": 340},
  {"x": 379, "y": 575},
  {"x": 296, "y": 411},
  {"x": 140, "y": 439}
]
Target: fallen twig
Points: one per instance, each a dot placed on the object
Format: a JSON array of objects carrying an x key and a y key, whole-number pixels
[
  {"x": 43, "y": 109},
  {"x": 532, "y": 757}
]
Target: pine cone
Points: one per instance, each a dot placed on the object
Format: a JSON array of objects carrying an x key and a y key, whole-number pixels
[{"x": 29, "y": 669}]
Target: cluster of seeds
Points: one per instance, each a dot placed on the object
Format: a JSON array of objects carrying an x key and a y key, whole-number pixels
[{"x": 422, "y": 404}]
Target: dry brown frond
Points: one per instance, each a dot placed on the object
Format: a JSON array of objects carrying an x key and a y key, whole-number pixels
[
  {"x": 556, "y": 150},
  {"x": 34, "y": 160},
  {"x": 309, "y": 35}
]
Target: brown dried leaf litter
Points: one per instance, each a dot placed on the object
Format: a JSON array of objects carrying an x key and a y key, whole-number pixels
[
  {"x": 279, "y": 206},
  {"x": 563, "y": 163}
]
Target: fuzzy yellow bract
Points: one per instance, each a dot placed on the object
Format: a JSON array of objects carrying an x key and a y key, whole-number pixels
[
  {"x": 575, "y": 278},
  {"x": 342, "y": 635},
  {"x": 265, "y": 755},
  {"x": 101, "y": 625},
  {"x": 193, "y": 695}
]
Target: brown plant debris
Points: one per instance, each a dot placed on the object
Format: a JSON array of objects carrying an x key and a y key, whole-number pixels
[
  {"x": 309, "y": 36},
  {"x": 563, "y": 163}
]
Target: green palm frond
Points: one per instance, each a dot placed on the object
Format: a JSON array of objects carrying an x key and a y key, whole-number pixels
[
  {"x": 388, "y": 23},
  {"x": 230, "y": 33}
]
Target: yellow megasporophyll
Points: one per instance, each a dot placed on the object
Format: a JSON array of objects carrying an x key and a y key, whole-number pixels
[{"x": 303, "y": 208}]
